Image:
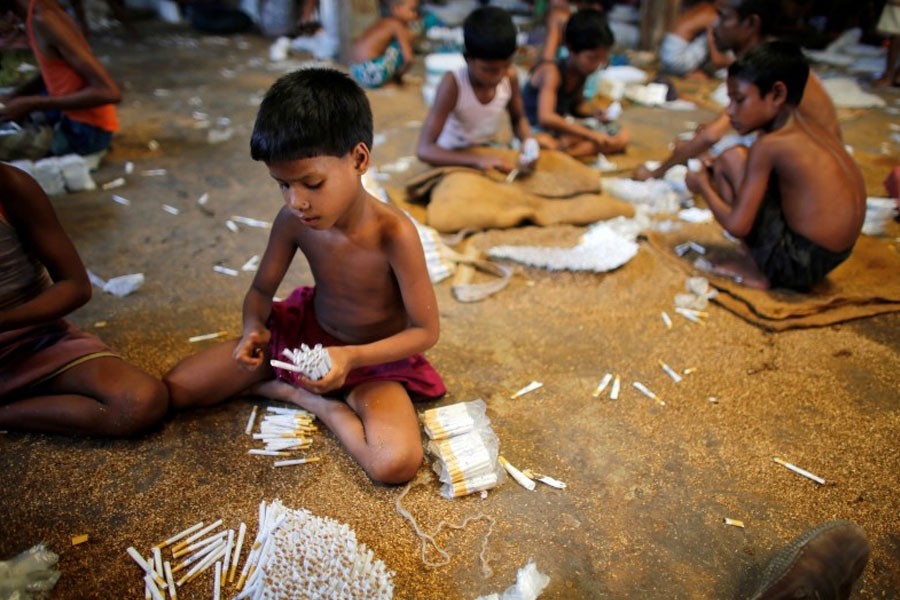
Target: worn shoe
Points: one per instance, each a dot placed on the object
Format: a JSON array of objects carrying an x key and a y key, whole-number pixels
[{"x": 821, "y": 564}]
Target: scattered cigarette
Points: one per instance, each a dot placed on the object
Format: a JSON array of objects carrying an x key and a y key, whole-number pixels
[
  {"x": 153, "y": 145},
  {"x": 689, "y": 370},
  {"x": 252, "y": 264},
  {"x": 182, "y": 534},
  {"x": 99, "y": 324},
  {"x": 217, "y": 582},
  {"x": 602, "y": 385},
  {"x": 556, "y": 483},
  {"x": 171, "y": 209},
  {"x": 713, "y": 400},
  {"x": 799, "y": 471},
  {"x": 697, "y": 247},
  {"x": 231, "y": 225},
  {"x": 225, "y": 270},
  {"x": 645, "y": 391},
  {"x": 129, "y": 168},
  {"x": 242, "y": 530},
  {"x": 617, "y": 384},
  {"x": 516, "y": 474},
  {"x": 691, "y": 315},
  {"x": 196, "y": 536},
  {"x": 733, "y": 522},
  {"x": 111, "y": 185},
  {"x": 120, "y": 200},
  {"x": 258, "y": 452},
  {"x": 528, "y": 388},
  {"x": 666, "y": 319},
  {"x": 170, "y": 581},
  {"x": 670, "y": 372},
  {"x": 250, "y": 222},
  {"x": 153, "y": 172},
  {"x": 206, "y": 336},
  {"x": 296, "y": 461},
  {"x": 249, "y": 428},
  {"x": 79, "y": 539}
]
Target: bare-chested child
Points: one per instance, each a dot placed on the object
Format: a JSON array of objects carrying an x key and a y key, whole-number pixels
[
  {"x": 384, "y": 51},
  {"x": 54, "y": 377},
  {"x": 795, "y": 197},
  {"x": 373, "y": 307},
  {"x": 688, "y": 48},
  {"x": 742, "y": 25}
]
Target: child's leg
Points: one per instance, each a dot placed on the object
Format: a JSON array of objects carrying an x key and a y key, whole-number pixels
[
  {"x": 211, "y": 376},
  {"x": 103, "y": 396},
  {"x": 891, "y": 64},
  {"x": 377, "y": 425}
]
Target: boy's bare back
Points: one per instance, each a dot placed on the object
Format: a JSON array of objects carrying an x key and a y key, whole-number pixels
[{"x": 822, "y": 191}]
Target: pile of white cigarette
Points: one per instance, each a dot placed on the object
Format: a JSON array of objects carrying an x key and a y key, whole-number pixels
[
  {"x": 299, "y": 555},
  {"x": 313, "y": 363},
  {"x": 464, "y": 446},
  {"x": 284, "y": 431},
  {"x": 192, "y": 554}
]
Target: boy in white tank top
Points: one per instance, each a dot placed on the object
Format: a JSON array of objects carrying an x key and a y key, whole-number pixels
[{"x": 470, "y": 102}]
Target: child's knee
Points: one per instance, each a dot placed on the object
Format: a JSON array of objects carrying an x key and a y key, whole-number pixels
[
  {"x": 396, "y": 466},
  {"x": 141, "y": 405}
]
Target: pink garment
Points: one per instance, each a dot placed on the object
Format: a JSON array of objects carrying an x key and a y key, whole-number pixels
[
  {"x": 471, "y": 122},
  {"x": 293, "y": 322}
]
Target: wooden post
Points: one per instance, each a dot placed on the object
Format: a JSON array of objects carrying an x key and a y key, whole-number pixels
[{"x": 656, "y": 18}]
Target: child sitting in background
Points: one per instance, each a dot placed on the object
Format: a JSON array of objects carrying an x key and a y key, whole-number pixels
[
  {"x": 373, "y": 307},
  {"x": 384, "y": 51},
  {"x": 554, "y": 90},
  {"x": 53, "y": 377},
  {"x": 796, "y": 198},
  {"x": 688, "y": 49},
  {"x": 557, "y": 17},
  {"x": 469, "y": 103}
]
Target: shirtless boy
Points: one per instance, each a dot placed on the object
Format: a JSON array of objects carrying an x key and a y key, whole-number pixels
[
  {"x": 795, "y": 197},
  {"x": 384, "y": 51},
  {"x": 742, "y": 25},
  {"x": 373, "y": 307}
]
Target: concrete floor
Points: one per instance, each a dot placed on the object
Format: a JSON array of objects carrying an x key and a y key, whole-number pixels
[{"x": 648, "y": 486}]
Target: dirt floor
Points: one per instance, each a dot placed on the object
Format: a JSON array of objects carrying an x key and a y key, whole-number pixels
[{"x": 648, "y": 486}]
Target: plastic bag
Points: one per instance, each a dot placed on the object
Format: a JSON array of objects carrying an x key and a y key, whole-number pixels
[{"x": 31, "y": 571}]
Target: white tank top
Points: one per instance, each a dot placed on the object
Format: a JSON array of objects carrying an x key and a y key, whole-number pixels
[{"x": 470, "y": 122}]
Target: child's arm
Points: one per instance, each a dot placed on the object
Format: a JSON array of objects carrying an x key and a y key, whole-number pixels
[
  {"x": 250, "y": 350},
  {"x": 705, "y": 138},
  {"x": 516, "y": 109},
  {"x": 427, "y": 149},
  {"x": 62, "y": 36},
  {"x": 32, "y": 216},
  {"x": 406, "y": 38},
  {"x": 549, "y": 81},
  {"x": 407, "y": 260},
  {"x": 737, "y": 217}
]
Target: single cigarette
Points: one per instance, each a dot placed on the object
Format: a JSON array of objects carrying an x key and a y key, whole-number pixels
[
  {"x": 151, "y": 585},
  {"x": 229, "y": 546},
  {"x": 158, "y": 562},
  {"x": 250, "y": 222},
  {"x": 670, "y": 372},
  {"x": 129, "y": 168},
  {"x": 202, "y": 200},
  {"x": 602, "y": 385},
  {"x": 666, "y": 319},
  {"x": 697, "y": 247},
  {"x": 217, "y": 583},
  {"x": 512, "y": 176},
  {"x": 201, "y": 566},
  {"x": 200, "y": 554},
  {"x": 170, "y": 580},
  {"x": 614, "y": 393},
  {"x": 257, "y": 452},
  {"x": 799, "y": 471},
  {"x": 296, "y": 461},
  {"x": 198, "y": 545},
  {"x": 689, "y": 315},
  {"x": 153, "y": 172},
  {"x": 689, "y": 370},
  {"x": 117, "y": 182},
  {"x": 206, "y": 336},
  {"x": 242, "y": 530},
  {"x": 184, "y": 533},
  {"x": 518, "y": 475},
  {"x": 171, "y": 209},
  {"x": 231, "y": 225},
  {"x": 280, "y": 364},
  {"x": 121, "y": 200},
  {"x": 528, "y": 388},
  {"x": 79, "y": 539},
  {"x": 645, "y": 391},
  {"x": 225, "y": 270},
  {"x": 252, "y": 264},
  {"x": 734, "y": 522},
  {"x": 249, "y": 428},
  {"x": 143, "y": 564},
  {"x": 197, "y": 535}
]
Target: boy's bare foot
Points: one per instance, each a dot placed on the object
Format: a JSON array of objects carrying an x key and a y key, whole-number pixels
[
  {"x": 279, "y": 390},
  {"x": 741, "y": 269}
]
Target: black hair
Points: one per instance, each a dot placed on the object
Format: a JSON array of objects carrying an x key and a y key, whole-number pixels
[
  {"x": 489, "y": 34},
  {"x": 768, "y": 12},
  {"x": 588, "y": 29},
  {"x": 770, "y": 62},
  {"x": 311, "y": 112}
]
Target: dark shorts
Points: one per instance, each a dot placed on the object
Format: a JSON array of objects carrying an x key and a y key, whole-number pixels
[
  {"x": 75, "y": 137},
  {"x": 788, "y": 259},
  {"x": 293, "y": 322}
]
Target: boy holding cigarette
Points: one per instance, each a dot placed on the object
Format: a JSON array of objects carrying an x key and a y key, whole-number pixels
[
  {"x": 373, "y": 307},
  {"x": 795, "y": 198}
]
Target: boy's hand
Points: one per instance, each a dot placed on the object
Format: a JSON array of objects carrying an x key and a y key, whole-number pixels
[
  {"x": 697, "y": 179},
  {"x": 250, "y": 351},
  {"x": 336, "y": 376},
  {"x": 15, "y": 108},
  {"x": 486, "y": 163}
]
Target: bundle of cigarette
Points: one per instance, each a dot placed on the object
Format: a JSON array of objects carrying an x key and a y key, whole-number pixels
[
  {"x": 466, "y": 448},
  {"x": 299, "y": 555},
  {"x": 313, "y": 363},
  {"x": 284, "y": 431},
  {"x": 700, "y": 292}
]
